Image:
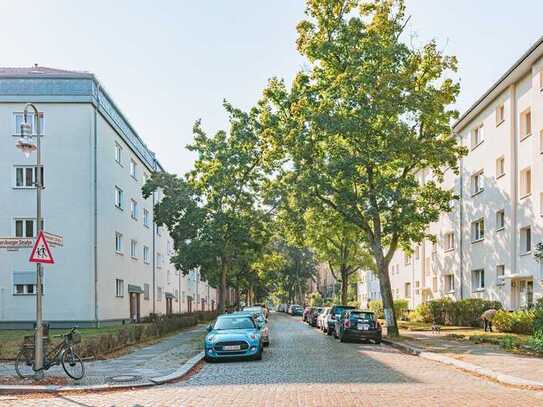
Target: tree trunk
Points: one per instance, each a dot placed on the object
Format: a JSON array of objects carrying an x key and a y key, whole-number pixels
[
  {"x": 222, "y": 287},
  {"x": 344, "y": 286},
  {"x": 388, "y": 301}
]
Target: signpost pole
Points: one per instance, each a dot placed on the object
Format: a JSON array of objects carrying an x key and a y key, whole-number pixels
[{"x": 38, "y": 363}]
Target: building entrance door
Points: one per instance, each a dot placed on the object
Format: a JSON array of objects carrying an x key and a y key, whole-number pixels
[
  {"x": 135, "y": 307},
  {"x": 168, "y": 306},
  {"x": 522, "y": 294}
]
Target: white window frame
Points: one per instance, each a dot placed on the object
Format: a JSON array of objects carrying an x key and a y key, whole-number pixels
[
  {"x": 477, "y": 185},
  {"x": 133, "y": 249},
  {"x": 23, "y": 169},
  {"x": 525, "y": 184},
  {"x": 500, "y": 217},
  {"x": 146, "y": 254},
  {"x": 449, "y": 283},
  {"x": 118, "y": 154},
  {"x": 477, "y": 232},
  {"x": 159, "y": 260},
  {"x": 146, "y": 218},
  {"x": 477, "y": 136},
  {"x": 134, "y": 209},
  {"x": 119, "y": 198},
  {"x": 118, "y": 243},
  {"x": 119, "y": 288},
  {"x": 500, "y": 114},
  {"x": 448, "y": 242},
  {"x": 525, "y": 240},
  {"x": 133, "y": 169},
  {"x": 525, "y": 124},
  {"x": 500, "y": 167},
  {"x": 477, "y": 280},
  {"x": 16, "y": 129},
  {"x": 500, "y": 271}
]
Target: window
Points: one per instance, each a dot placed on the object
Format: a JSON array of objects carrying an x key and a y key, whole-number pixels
[
  {"x": 417, "y": 252},
  {"x": 500, "y": 220},
  {"x": 477, "y": 280},
  {"x": 478, "y": 230},
  {"x": 146, "y": 255},
  {"x": 26, "y": 227},
  {"x": 500, "y": 115},
  {"x": 145, "y": 218},
  {"x": 449, "y": 283},
  {"x": 26, "y": 177},
  {"x": 500, "y": 167},
  {"x": 434, "y": 284},
  {"x": 525, "y": 182},
  {"x": 159, "y": 294},
  {"x": 500, "y": 271},
  {"x": 158, "y": 230},
  {"x": 118, "y": 242},
  {"x": 133, "y": 209},
  {"x": 119, "y": 198},
  {"x": 407, "y": 259},
  {"x": 525, "y": 240},
  {"x": 133, "y": 248},
  {"x": 118, "y": 154},
  {"x": 477, "y": 136},
  {"x": 119, "y": 288},
  {"x": 133, "y": 166},
  {"x": 145, "y": 291},
  {"x": 449, "y": 241},
  {"x": 159, "y": 260},
  {"x": 477, "y": 183},
  {"x": 19, "y": 119},
  {"x": 525, "y": 124},
  {"x": 407, "y": 290}
]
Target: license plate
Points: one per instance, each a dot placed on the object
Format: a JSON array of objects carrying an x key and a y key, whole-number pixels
[
  {"x": 231, "y": 347},
  {"x": 363, "y": 327}
]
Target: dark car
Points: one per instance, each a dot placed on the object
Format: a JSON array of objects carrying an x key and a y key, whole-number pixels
[
  {"x": 333, "y": 316},
  {"x": 297, "y": 310},
  {"x": 313, "y": 315},
  {"x": 358, "y": 325}
]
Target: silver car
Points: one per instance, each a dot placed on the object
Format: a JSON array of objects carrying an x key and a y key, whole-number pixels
[{"x": 321, "y": 319}]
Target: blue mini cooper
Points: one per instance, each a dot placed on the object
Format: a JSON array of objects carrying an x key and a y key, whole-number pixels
[{"x": 233, "y": 336}]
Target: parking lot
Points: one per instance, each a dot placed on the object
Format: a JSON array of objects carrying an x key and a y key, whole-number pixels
[{"x": 304, "y": 367}]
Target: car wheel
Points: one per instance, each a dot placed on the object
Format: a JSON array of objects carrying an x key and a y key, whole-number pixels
[
  {"x": 266, "y": 344},
  {"x": 377, "y": 341},
  {"x": 258, "y": 356},
  {"x": 328, "y": 332},
  {"x": 208, "y": 359},
  {"x": 342, "y": 338}
]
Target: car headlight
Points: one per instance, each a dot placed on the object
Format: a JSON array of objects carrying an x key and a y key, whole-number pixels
[{"x": 210, "y": 338}]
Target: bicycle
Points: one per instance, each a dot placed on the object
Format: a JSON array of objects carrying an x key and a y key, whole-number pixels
[{"x": 62, "y": 354}]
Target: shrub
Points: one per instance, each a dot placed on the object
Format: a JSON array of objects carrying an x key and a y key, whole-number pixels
[
  {"x": 444, "y": 311},
  {"x": 422, "y": 313},
  {"x": 520, "y": 322},
  {"x": 536, "y": 341},
  {"x": 400, "y": 308},
  {"x": 376, "y": 306},
  {"x": 315, "y": 299}
]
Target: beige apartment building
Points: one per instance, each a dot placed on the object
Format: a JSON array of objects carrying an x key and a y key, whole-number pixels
[{"x": 485, "y": 246}]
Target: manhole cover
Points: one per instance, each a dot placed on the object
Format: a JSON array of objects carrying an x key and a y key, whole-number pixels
[{"x": 125, "y": 378}]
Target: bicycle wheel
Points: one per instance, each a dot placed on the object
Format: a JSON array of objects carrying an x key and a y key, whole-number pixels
[
  {"x": 72, "y": 364},
  {"x": 24, "y": 365}
]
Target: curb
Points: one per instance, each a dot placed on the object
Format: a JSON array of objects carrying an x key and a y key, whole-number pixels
[
  {"x": 177, "y": 374},
  {"x": 467, "y": 367}
]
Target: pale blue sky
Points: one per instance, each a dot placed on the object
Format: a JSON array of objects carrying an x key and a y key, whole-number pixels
[{"x": 168, "y": 63}]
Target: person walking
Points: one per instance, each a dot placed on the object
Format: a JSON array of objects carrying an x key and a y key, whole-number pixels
[{"x": 487, "y": 318}]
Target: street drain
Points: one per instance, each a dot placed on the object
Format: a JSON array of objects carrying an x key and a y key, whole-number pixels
[{"x": 123, "y": 378}]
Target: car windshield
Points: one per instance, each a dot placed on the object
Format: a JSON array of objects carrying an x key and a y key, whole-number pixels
[
  {"x": 234, "y": 323},
  {"x": 254, "y": 309},
  {"x": 366, "y": 316},
  {"x": 339, "y": 310}
]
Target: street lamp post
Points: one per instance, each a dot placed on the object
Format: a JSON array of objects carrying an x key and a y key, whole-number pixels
[{"x": 26, "y": 146}]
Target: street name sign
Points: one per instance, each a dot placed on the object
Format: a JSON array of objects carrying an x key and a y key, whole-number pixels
[
  {"x": 41, "y": 252},
  {"x": 54, "y": 240},
  {"x": 16, "y": 242}
]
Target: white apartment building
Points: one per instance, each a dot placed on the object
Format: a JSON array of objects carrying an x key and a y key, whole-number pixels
[
  {"x": 485, "y": 246},
  {"x": 114, "y": 266}
]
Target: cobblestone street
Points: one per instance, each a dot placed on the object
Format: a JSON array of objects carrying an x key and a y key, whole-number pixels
[{"x": 303, "y": 367}]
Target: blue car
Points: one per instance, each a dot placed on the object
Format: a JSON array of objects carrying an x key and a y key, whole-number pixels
[{"x": 233, "y": 336}]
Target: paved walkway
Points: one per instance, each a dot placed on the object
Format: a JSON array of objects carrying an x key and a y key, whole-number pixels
[
  {"x": 488, "y": 356},
  {"x": 155, "y": 360},
  {"x": 302, "y": 367}
]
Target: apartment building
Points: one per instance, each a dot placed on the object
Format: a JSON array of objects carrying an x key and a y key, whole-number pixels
[
  {"x": 485, "y": 246},
  {"x": 114, "y": 265}
]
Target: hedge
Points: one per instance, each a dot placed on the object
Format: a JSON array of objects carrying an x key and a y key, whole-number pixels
[
  {"x": 400, "y": 308},
  {"x": 466, "y": 312},
  {"x": 518, "y": 322}
]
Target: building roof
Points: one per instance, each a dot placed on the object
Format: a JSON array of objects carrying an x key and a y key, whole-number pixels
[
  {"x": 41, "y": 71},
  {"x": 520, "y": 68}
]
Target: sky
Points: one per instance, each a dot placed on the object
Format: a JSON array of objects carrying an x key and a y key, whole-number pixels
[{"x": 167, "y": 63}]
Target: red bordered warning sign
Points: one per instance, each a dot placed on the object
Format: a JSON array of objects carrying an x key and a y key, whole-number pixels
[{"x": 41, "y": 252}]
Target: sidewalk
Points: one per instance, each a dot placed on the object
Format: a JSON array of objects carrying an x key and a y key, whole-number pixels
[
  {"x": 137, "y": 367},
  {"x": 485, "y": 359}
]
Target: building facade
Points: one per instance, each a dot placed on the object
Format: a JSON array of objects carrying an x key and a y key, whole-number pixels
[
  {"x": 485, "y": 246},
  {"x": 114, "y": 265}
]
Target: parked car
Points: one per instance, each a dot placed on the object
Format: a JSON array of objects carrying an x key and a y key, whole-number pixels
[
  {"x": 257, "y": 309},
  {"x": 334, "y": 314},
  {"x": 358, "y": 325},
  {"x": 233, "y": 336},
  {"x": 313, "y": 315},
  {"x": 296, "y": 310},
  {"x": 321, "y": 319},
  {"x": 261, "y": 322},
  {"x": 264, "y": 306},
  {"x": 305, "y": 315}
]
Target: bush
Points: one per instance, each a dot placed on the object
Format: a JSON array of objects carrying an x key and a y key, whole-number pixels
[
  {"x": 315, "y": 299},
  {"x": 376, "y": 306},
  {"x": 444, "y": 311},
  {"x": 400, "y": 308},
  {"x": 422, "y": 313},
  {"x": 536, "y": 341},
  {"x": 519, "y": 322}
]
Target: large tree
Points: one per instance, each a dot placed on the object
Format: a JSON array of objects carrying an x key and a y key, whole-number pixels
[{"x": 362, "y": 121}]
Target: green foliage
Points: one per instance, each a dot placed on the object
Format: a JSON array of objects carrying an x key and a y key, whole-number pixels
[
  {"x": 315, "y": 299},
  {"x": 362, "y": 120},
  {"x": 536, "y": 341},
  {"x": 520, "y": 322},
  {"x": 376, "y": 306},
  {"x": 448, "y": 312},
  {"x": 400, "y": 308}
]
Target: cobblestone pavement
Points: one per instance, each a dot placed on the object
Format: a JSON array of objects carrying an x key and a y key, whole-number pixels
[
  {"x": 304, "y": 368},
  {"x": 155, "y": 360}
]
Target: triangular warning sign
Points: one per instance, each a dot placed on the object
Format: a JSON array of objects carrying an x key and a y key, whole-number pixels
[{"x": 41, "y": 252}]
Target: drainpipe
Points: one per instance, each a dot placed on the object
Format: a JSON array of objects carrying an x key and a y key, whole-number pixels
[
  {"x": 514, "y": 189},
  {"x": 95, "y": 198},
  {"x": 154, "y": 256},
  {"x": 461, "y": 214}
]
